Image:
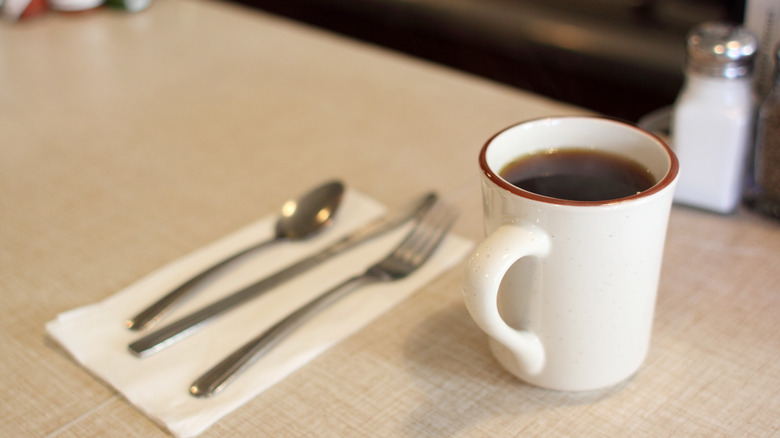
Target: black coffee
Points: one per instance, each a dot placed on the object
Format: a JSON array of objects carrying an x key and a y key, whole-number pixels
[{"x": 578, "y": 175}]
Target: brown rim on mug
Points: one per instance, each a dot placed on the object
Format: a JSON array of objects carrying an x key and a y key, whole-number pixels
[{"x": 667, "y": 179}]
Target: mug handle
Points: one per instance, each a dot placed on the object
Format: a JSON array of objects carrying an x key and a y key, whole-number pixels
[{"x": 485, "y": 269}]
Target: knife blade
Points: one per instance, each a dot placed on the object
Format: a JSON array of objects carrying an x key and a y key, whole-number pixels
[{"x": 186, "y": 326}]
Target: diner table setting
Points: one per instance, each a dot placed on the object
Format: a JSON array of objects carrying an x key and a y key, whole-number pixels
[{"x": 215, "y": 221}]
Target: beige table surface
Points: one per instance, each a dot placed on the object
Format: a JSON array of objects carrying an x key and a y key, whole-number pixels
[{"x": 127, "y": 141}]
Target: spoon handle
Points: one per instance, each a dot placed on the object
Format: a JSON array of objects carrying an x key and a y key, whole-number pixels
[
  {"x": 152, "y": 314},
  {"x": 221, "y": 374}
]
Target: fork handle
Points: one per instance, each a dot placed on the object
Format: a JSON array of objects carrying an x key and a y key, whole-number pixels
[{"x": 224, "y": 372}]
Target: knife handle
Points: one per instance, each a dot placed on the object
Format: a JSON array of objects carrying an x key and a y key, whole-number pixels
[{"x": 152, "y": 314}]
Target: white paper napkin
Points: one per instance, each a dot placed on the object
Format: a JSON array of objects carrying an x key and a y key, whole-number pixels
[{"x": 158, "y": 385}]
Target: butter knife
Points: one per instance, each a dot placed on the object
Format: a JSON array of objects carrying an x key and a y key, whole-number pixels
[{"x": 180, "y": 329}]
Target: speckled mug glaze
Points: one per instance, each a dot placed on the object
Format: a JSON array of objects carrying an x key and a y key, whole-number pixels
[{"x": 566, "y": 290}]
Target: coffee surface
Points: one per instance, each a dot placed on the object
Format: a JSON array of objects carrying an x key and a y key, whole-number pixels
[{"x": 578, "y": 175}]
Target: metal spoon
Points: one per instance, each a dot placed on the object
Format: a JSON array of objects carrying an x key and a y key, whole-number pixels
[{"x": 298, "y": 219}]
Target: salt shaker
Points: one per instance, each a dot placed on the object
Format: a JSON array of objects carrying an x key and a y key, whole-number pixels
[
  {"x": 767, "y": 155},
  {"x": 714, "y": 116}
]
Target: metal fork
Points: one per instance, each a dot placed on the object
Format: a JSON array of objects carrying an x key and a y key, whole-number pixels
[{"x": 410, "y": 254}]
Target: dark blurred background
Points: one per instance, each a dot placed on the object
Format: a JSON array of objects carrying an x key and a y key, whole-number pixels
[{"x": 623, "y": 58}]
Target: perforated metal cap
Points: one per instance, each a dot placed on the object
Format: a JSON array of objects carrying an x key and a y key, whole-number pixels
[{"x": 721, "y": 50}]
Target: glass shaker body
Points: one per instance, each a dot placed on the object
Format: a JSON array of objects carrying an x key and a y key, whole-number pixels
[
  {"x": 767, "y": 158},
  {"x": 714, "y": 117}
]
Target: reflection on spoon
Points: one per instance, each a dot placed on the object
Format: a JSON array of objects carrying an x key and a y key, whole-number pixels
[{"x": 298, "y": 219}]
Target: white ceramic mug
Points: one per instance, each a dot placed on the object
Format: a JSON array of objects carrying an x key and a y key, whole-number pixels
[{"x": 566, "y": 290}]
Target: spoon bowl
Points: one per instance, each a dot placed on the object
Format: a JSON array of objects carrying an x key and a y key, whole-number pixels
[{"x": 311, "y": 213}]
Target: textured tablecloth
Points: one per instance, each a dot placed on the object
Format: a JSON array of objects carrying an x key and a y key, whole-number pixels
[{"x": 130, "y": 140}]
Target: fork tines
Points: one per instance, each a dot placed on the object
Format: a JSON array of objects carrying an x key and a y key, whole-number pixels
[{"x": 421, "y": 242}]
